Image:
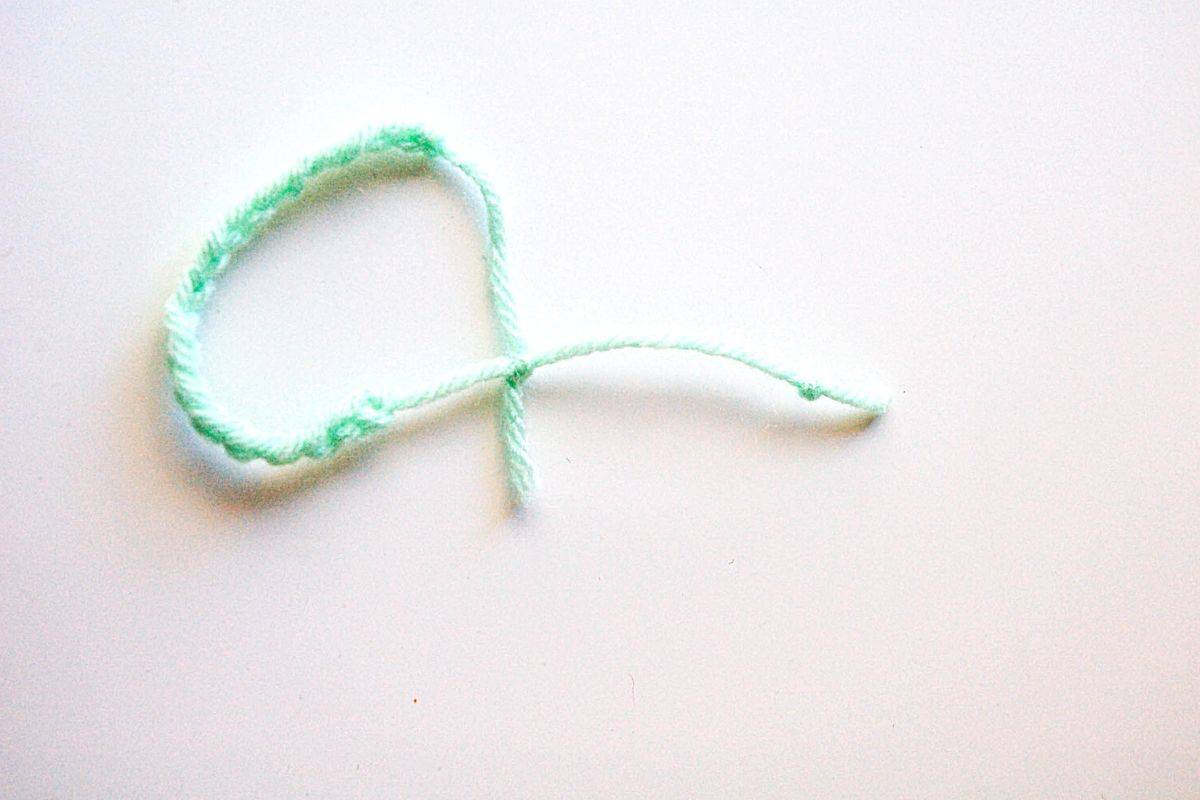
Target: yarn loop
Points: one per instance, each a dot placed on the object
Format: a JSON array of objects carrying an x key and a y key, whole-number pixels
[{"x": 374, "y": 411}]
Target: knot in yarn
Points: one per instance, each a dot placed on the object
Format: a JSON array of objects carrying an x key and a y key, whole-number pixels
[
  {"x": 810, "y": 391},
  {"x": 519, "y": 371}
]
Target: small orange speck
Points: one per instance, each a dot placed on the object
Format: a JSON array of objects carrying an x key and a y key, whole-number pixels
[{"x": 414, "y": 699}]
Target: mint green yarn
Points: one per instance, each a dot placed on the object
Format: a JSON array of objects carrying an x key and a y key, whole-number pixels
[{"x": 372, "y": 411}]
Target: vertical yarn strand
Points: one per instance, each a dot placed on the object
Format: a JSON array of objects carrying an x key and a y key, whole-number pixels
[{"x": 511, "y": 417}]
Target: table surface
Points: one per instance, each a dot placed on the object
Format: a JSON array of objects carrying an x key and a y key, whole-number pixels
[{"x": 720, "y": 590}]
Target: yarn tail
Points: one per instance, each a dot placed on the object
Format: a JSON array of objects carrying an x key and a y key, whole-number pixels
[{"x": 512, "y": 433}]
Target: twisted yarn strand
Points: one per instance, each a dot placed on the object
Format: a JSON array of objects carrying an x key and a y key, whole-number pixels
[{"x": 370, "y": 412}]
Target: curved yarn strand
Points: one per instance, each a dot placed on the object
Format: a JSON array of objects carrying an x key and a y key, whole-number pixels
[{"x": 370, "y": 412}]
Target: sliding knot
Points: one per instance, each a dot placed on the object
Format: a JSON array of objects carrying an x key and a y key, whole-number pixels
[{"x": 370, "y": 413}]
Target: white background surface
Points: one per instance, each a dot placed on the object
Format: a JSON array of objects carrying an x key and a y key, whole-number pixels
[{"x": 721, "y": 591}]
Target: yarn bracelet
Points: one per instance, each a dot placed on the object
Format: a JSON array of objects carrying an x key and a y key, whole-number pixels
[{"x": 370, "y": 412}]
